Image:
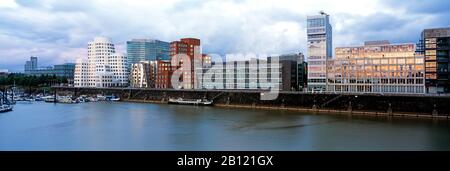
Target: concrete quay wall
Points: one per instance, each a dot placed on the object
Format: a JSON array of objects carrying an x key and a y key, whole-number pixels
[{"x": 433, "y": 105}]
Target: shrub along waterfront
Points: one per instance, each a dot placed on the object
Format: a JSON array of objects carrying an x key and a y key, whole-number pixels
[{"x": 31, "y": 84}]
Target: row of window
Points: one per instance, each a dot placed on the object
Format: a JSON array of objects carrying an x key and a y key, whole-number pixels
[
  {"x": 377, "y": 89},
  {"x": 376, "y": 81}
]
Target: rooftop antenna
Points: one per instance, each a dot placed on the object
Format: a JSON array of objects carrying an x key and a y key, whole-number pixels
[{"x": 323, "y": 13}]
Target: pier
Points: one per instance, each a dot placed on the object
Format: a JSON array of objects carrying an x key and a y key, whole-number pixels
[{"x": 385, "y": 105}]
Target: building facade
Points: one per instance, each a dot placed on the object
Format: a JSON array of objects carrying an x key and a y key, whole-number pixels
[
  {"x": 31, "y": 65},
  {"x": 192, "y": 48},
  {"x": 164, "y": 74},
  {"x": 319, "y": 32},
  {"x": 435, "y": 46},
  {"x": 63, "y": 70},
  {"x": 289, "y": 75},
  {"x": 295, "y": 73},
  {"x": 103, "y": 68},
  {"x": 377, "y": 67},
  {"x": 143, "y": 74},
  {"x": 298, "y": 77},
  {"x": 4, "y": 73},
  {"x": 302, "y": 77},
  {"x": 147, "y": 50},
  {"x": 246, "y": 74}
]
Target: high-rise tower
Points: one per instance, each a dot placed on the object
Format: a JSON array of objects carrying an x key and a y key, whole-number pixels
[{"x": 319, "y": 32}]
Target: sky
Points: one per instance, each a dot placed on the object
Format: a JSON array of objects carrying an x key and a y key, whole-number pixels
[{"x": 57, "y": 31}]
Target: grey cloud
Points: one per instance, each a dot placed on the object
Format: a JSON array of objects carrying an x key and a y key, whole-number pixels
[{"x": 421, "y": 6}]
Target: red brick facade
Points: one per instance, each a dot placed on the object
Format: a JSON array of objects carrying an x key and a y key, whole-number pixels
[
  {"x": 191, "y": 48},
  {"x": 164, "y": 74}
]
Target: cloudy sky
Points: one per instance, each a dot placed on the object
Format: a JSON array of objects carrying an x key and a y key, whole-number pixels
[{"x": 57, "y": 31}]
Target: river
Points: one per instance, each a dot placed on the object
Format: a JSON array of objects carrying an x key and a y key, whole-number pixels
[{"x": 147, "y": 127}]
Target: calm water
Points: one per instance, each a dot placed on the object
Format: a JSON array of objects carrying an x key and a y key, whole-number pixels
[{"x": 133, "y": 126}]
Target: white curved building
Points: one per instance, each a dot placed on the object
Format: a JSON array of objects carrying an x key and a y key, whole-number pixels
[{"x": 104, "y": 67}]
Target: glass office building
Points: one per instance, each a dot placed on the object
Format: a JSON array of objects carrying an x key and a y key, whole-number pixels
[
  {"x": 62, "y": 70},
  {"x": 319, "y": 32},
  {"x": 147, "y": 50},
  {"x": 435, "y": 46},
  {"x": 31, "y": 65},
  {"x": 377, "y": 67},
  {"x": 246, "y": 74}
]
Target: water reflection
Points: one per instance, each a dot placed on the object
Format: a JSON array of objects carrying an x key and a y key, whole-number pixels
[{"x": 130, "y": 126}]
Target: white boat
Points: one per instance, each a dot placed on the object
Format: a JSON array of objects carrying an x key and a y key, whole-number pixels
[
  {"x": 115, "y": 99},
  {"x": 200, "y": 102},
  {"x": 112, "y": 98},
  {"x": 91, "y": 99},
  {"x": 38, "y": 98},
  {"x": 65, "y": 99},
  {"x": 101, "y": 97},
  {"x": 49, "y": 99},
  {"x": 5, "y": 108}
]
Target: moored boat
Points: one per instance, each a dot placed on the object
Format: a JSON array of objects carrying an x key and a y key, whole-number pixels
[
  {"x": 49, "y": 99},
  {"x": 199, "y": 102},
  {"x": 65, "y": 99},
  {"x": 5, "y": 108},
  {"x": 112, "y": 98}
]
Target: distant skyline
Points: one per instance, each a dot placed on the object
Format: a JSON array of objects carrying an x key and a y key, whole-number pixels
[{"x": 57, "y": 31}]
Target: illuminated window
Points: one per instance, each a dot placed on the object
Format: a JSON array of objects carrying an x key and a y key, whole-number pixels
[
  {"x": 430, "y": 76},
  {"x": 419, "y": 61},
  {"x": 430, "y": 64}
]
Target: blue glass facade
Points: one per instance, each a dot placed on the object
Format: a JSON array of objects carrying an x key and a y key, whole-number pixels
[{"x": 147, "y": 50}]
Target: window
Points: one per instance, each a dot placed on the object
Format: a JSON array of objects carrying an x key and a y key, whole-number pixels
[
  {"x": 317, "y": 36},
  {"x": 430, "y": 64},
  {"x": 319, "y": 22},
  {"x": 419, "y": 61},
  {"x": 431, "y": 76}
]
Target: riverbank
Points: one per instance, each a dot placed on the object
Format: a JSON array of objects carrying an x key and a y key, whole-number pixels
[
  {"x": 343, "y": 112},
  {"x": 383, "y": 105},
  {"x": 423, "y": 116}
]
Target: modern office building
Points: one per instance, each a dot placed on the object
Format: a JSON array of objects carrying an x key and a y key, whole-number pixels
[
  {"x": 104, "y": 67},
  {"x": 202, "y": 68},
  {"x": 289, "y": 75},
  {"x": 298, "y": 77},
  {"x": 192, "y": 48},
  {"x": 164, "y": 74},
  {"x": 4, "y": 73},
  {"x": 319, "y": 32},
  {"x": 302, "y": 77},
  {"x": 63, "y": 70},
  {"x": 147, "y": 50},
  {"x": 31, "y": 65},
  {"x": 435, "y": 46},
  {"x": 143, "y": 74},
  {"x": 246, "y": 74},
  {"x": 377, "y": 67}
]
